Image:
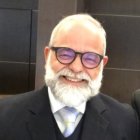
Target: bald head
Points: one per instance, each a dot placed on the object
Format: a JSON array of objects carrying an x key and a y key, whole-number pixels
[{"x": 79, "y": 20}]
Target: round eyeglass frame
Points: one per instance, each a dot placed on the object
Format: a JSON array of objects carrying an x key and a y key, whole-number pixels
[{"x": 55, "y": 49}]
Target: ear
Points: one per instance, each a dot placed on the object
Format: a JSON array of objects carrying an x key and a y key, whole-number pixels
[
  {"x": 105, "y": 60},
  {"x": 46, "y": 52}
]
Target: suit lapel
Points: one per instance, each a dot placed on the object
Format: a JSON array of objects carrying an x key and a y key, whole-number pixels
[
  {"x": 95, "y": 125},
  {"x": 40, "y": 123}
]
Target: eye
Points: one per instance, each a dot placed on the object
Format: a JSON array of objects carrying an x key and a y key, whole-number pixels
[
  {"x": 65, "y": 55},
  {"x": 91, "y": 58}
]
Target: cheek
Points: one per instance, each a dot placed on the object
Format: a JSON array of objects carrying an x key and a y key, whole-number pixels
[
  {"x": 93, "y": 73},
  {"x": 56, "y": 65}
]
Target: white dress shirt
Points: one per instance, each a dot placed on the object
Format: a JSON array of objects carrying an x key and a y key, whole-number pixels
[{"x": 56, "y": 105}]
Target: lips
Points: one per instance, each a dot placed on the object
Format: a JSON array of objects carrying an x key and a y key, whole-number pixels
[{"x": 73, "y": 79}]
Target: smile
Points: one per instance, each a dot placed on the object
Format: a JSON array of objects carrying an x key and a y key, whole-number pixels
[{"x": 73, "y": 79}]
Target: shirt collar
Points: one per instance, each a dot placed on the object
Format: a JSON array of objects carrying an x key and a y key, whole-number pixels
[{"x": 57, "y": 105}]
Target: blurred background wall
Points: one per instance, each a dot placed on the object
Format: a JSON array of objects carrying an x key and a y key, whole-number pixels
[
  {"x": 25, "y": 27},
  {"x": 18, "y": 36}
]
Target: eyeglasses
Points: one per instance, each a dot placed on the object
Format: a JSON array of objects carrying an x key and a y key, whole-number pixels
[{"x": 66, "y": 56}]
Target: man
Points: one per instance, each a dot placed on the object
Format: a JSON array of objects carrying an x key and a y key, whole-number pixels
[{"x": 75, "y": 58}]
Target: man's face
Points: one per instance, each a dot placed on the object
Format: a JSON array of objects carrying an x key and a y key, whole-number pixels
[{"x": 74, "y": 80}]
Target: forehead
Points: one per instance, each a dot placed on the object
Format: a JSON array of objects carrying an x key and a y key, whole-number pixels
[
  {"x": 69, "y": 26},
  {"x": 83, "y": 36}
]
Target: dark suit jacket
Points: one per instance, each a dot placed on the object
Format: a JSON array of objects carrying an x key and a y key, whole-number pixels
[{"x": 28, "y": 117}]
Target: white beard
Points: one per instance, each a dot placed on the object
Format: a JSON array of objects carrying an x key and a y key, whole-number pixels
[{"x": 71, "y": 95}]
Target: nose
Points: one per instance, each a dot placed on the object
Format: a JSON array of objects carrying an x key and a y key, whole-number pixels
[{"x": 76, "y": 66}]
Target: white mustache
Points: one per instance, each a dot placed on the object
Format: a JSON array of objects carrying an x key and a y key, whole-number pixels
[{"x": 68, "y": 73}]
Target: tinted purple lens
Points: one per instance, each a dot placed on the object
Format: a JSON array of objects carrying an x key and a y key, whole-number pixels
[
  {"x": 65, "y": 55},
  {"x": 90, "y": 60}
]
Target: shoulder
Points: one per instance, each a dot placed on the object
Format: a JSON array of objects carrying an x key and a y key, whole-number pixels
[
  {"x": 15, "y": 100},
  {"x": 122, "y": 117},
  {"x": 114, "y": 105},
  {"x": 16, "y": 110},
  {"x": 115, "y": 111},
  {"x": 19, "y": 103}
]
